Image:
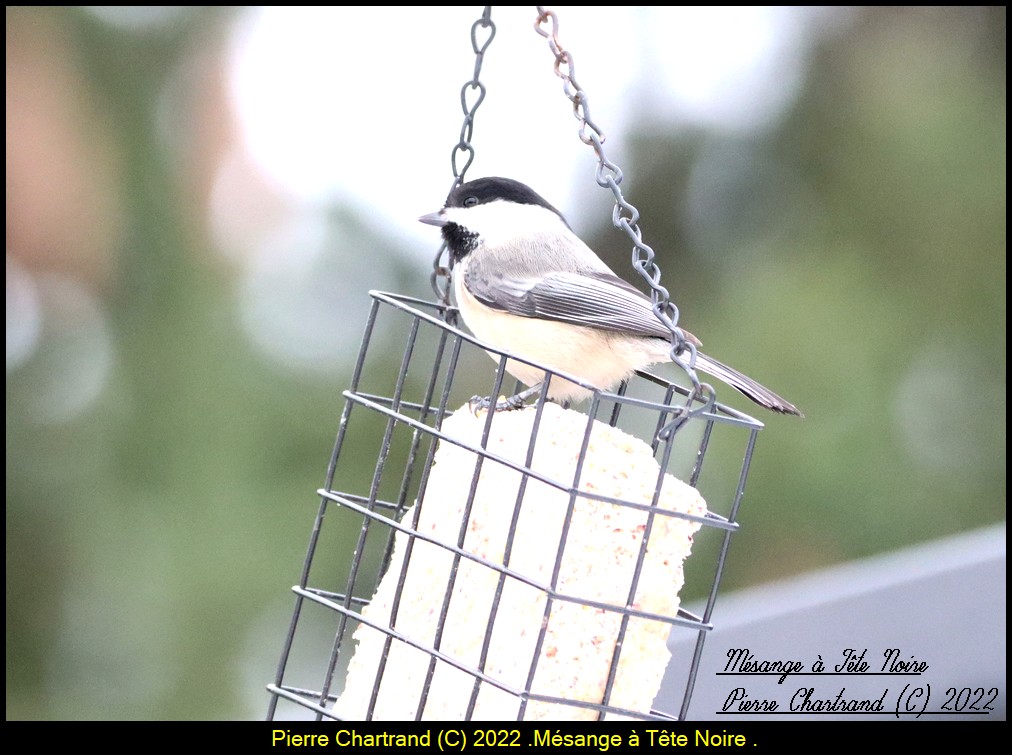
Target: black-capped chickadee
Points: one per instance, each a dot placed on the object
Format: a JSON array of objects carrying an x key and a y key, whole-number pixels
[{"x": 526, "y": 284}]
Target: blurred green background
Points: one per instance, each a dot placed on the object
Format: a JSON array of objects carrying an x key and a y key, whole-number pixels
[{"x": 161, "y": 464}]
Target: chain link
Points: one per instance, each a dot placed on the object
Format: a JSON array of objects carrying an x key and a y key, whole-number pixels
[
  {"x": 608, "y": 175},
  {"x": 482, "y": 34},
  {"x": 625, "y": 217}
]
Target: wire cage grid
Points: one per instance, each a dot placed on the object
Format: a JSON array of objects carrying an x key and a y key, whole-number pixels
[{"x": 407, "y": 419}]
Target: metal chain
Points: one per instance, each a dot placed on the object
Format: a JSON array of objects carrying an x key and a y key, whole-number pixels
[
  {"x": 440, "y": 277},
  {"x": 624, "y": 216}
]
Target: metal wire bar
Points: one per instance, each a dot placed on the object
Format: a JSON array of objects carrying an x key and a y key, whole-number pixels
[
  {"x": 625, "y": 217},
  {"x": 440, "y": 278},
  {"x": 620, "y": 391},
  {"x": 510, "y": 536},
  {"x": 710, "y": 519},
  {"x": 522, "y": 694},
  {"x": 300, "y": 697},
  {"x": 395, "y": 405},
  {"x": 314, "y": 536},
  {"x": 704, "y": 443},
  {"x": 337, "y": 596},
  {"x": 464, "y": 521},
  {"x": 413, "y": 422},
  {"x": 409, "y": 467},
  {"x": 638, "y": 569},
  {"x": 718, "y": 412},
  {"x": 373, "y": 492},
  {"x": 441, "y": 409},
  {"x": 417, "y": 422},
  {"x": 687, "y": 620},
  {"x": 563, "y": 537},
  {"x": 722, "y": 558}
]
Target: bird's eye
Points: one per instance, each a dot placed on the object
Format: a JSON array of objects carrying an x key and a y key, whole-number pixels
[{"x": 470, "y": 201}]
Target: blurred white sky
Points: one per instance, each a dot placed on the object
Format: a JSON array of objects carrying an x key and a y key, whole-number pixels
[
  {"x": 360, "y": 107},
  {"x": 362, "y": 104}
]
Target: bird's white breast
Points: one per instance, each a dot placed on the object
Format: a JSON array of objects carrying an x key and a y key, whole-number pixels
[{"x": 598, "y": 357}]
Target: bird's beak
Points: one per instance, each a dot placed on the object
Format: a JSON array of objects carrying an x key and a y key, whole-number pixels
[{"x": 434, "y": 218}]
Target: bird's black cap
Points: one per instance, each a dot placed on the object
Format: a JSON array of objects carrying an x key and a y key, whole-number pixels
[{"x": 494, "y": 188}]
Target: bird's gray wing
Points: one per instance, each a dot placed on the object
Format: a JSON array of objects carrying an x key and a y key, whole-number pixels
[
  {"x": 593, "y": 299},
  {"x": 602, "y": 300}
]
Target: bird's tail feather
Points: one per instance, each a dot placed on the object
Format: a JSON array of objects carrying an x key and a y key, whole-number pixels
[{"x": 746, "y": 385}]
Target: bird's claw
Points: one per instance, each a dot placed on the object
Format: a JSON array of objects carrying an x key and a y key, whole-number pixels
[{"x": 482, "y": 403}]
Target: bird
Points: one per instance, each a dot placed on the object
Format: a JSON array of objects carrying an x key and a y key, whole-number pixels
[{"x": 526, "y": 284}]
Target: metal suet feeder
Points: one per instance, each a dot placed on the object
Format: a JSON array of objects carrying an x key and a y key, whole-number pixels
[{"x": 508, "y": 565}]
